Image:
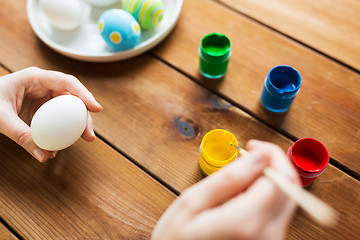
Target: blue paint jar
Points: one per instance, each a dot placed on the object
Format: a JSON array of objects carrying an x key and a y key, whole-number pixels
[{"x": 280, "y": 88}]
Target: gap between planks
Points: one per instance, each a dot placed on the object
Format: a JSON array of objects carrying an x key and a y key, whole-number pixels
[
  {"x": 10, "y": 229},
  {"x": 353, "y": 69},
  {"x": 289, "y": 136}
]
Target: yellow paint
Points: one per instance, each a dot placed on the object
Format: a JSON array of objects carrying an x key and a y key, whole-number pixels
[{"x": 216, "y": 151}]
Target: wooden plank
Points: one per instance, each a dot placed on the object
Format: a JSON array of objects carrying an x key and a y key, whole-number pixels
[
  {"x": 144, "y": 124},
  {"x": 332, "y": 27},
  {"x": 327, "y": 106},
  {"x": 5, "y": 234},
  {"x": 89, "y": 191},
  {"x": 327, "y": 90},
  {"x": 331, "y": 189},
  {"x": 150, "y": 110},
  {"x": 160, "y": 118},
  {"x": 3, "y": 71}
]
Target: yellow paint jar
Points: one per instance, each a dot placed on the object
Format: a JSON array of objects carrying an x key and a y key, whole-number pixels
[{"x": 216, "y": 151}]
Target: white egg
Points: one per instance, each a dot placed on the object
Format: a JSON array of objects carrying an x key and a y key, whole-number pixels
[
  {"x": 59, "y": 122},
  {"x": 62, "y": 14},
  {"x": 101, "y": 3}
]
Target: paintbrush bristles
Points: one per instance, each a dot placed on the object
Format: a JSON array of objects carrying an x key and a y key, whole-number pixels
[
  {"x": 316, "y": 208},
  {"x": 239, "y": 149}
]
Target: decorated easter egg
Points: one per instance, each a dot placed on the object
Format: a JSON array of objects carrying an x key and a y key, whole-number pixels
[
  {"x": 149, "y": 13},
  {"x": 65, "y": 14},
  {"x": 119, "y": 29}
]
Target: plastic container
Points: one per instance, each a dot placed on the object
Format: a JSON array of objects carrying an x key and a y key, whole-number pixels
[
  {"x": 280, "y": 88},
  {"x": 310, "y": 158},
  {"x": 216, "y": 151},
  {"x": 215, "y": 52}
]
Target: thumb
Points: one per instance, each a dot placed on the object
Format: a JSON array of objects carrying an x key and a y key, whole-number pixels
[
  {"x": 17, "y": 130},
  {"x": 227, "y": 182}
]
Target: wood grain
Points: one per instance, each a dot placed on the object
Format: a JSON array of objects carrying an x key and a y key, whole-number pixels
[
  {"x": 3, "y": 71},
  {"x": 331, "y": 27},
  {"x": 157, "y": 116},
  {"x": 5, "y": 234},
  {"x": 330, "y": 189},
  {"x": 160, "y": 118},
  {"x": 327, "y": 107},
  {"x": 88, "y": 191}
]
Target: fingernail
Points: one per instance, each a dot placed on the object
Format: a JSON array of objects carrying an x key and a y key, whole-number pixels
[
  {"x": 39, "y": 154},
  {"x": 93, "y": 133},
  {"x": 52, "y": 155}
]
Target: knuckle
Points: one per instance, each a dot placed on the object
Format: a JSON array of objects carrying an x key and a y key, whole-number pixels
[
  {"x": 185, "y": 201},
  {"x": 32, "y": 69},
  {"x": 273, "y": 147},
  {"x": 24, "y": 138},
  {"x": 251, "y": 231},
  {"x": 71, "y": 79},
  {"x": 227, "y": 178}
]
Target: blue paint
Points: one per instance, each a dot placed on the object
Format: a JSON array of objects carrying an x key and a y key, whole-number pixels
[{"x": 280, "y": 88}]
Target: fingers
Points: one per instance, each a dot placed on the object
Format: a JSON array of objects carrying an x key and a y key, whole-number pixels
[
  {"x": 252, "y": 194},
  {"x": 60, "y": 82},
  {"x": 89, "y": 134},
  {"x": 237, "y": 202},
  {"x": 20, "y": 133},
  {"x": 225, "y": 184},
  {"x": 251, "y": 212},
  {"x": 52, "y": 154},
  {"x": 277, "y": 158}
]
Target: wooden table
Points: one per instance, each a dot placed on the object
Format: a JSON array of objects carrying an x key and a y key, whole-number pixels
[{"x": 157, "y": 108}]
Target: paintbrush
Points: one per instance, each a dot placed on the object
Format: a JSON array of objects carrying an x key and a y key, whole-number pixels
[{"x": 316, "y": 208}]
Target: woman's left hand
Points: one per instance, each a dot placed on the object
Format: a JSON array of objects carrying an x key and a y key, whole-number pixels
[{"x": 23, "y": 92}]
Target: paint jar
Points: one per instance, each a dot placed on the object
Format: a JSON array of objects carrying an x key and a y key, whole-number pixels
[
  {"x": 280, "y": 88},
  {"x": 310, "y": 159},
  {"x": 214, "y": 51},
  {"x": 216, "y": 151}
]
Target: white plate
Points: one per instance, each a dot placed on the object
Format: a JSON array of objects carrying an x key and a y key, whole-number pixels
[{"x": 86, "y": 43}]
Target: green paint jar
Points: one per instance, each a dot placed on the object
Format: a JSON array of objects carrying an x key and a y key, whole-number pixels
[{"x": 214, "y": 51}]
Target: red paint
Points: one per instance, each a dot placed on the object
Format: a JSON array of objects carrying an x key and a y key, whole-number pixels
[
  {"x": 310, "y": 157},
  {"x": 306, "y": 160}
]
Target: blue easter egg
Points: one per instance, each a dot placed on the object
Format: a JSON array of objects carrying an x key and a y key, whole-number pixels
[{"x": 119, "y": 29}]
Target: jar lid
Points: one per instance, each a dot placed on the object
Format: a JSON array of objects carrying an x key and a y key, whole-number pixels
[{"x": 215, "y": 47}]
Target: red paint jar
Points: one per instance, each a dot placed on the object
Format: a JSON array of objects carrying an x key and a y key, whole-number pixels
[{"x": 310, "y": 158}]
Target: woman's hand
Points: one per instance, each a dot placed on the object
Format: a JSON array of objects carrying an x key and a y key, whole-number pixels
[
  {"x": 237, "y": 202},
  {"x": 23, "y": 92}
]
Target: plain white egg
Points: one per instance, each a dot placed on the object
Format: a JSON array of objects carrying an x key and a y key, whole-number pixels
[
  {"x": 62, "y": 14},
  {"x": 59, "y": 122},
  {"x": 101, "y": 3}
]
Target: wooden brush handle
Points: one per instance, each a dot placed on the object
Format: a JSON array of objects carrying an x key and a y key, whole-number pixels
[{"x": 316, "y": 208}]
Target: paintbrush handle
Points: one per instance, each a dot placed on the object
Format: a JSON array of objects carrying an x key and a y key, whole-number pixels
[{"x": 315, "y": 207}]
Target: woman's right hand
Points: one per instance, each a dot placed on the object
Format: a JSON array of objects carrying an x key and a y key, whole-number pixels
[{"x": 237, "y": 202}]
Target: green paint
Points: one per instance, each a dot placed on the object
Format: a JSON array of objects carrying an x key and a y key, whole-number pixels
[{"x": 215, "y": 49}]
